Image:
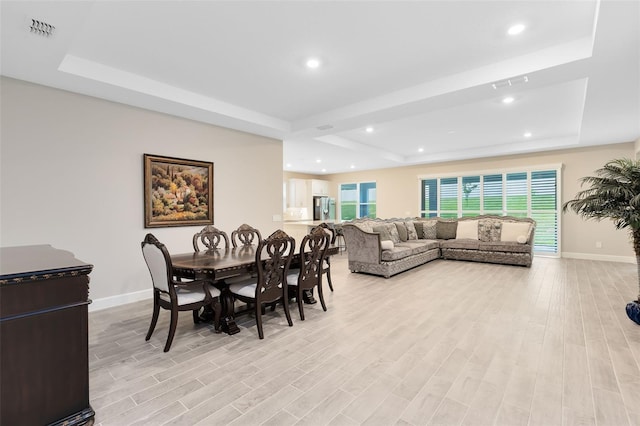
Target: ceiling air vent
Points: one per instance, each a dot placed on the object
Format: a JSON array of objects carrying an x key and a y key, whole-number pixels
[
  {"x": 41, "y": 28},
  {"x": 325, "y": 127},
  {"x": 510, "y": 82}
]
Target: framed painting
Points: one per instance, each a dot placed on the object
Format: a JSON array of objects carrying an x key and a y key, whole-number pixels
[{"x": 177, "y": 192}]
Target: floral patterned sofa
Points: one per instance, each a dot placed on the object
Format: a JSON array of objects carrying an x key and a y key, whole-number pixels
[{"x": 389, "y": 246}]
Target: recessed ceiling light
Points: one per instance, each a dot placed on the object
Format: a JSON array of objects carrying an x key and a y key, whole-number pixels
[
  {"x": 318, "y": 161},
  {"x": 324, "y": 170},
  {"x": 420, "y": 149},
  {"x": 288, "y": 164},
  {"x": 516, "y": 29},
  {"x": 527, "y": 134},
  {"x": 352, "y": 167},
  {"x": 369, "y": 129},
  {"x": 507, "y": 100},
  {"x": 313, "y": 63}
]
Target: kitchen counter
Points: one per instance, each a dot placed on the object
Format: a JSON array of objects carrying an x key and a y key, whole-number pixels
[
  {"x": 310, "y": 222},
  {"x": 299, "y": 228}
]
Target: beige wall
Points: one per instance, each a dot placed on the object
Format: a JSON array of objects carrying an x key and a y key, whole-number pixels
[
  {"x": 71, "y": 176},
  {"x": 637, "y": 149},
  {"x": 398, "y": 191}
]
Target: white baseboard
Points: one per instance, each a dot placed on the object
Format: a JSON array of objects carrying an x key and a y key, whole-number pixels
[
  {"x": 603, "y": 257},
  {"x": 120, "y": 299}
]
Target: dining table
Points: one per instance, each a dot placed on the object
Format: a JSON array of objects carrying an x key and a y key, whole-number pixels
[{"x": 221, "y": 264}]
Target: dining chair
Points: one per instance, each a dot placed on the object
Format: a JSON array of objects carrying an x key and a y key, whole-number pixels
[
  {"x": 174, "y": 295},
  {"x": 245, "y": 235},
  {"x": 313, "y": 250},
  {"x": 244, "y": 240},
  {"x": 211, "y": 238},
  {"x": 331, "y": 230},
  {"x": 270, "y": 285}
]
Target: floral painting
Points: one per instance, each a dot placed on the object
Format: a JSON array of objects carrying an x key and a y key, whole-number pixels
[{"x": 177, "y": 192}]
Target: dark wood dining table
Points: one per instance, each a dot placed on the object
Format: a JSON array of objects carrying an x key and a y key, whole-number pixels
[{"x": 221, "y": 264}]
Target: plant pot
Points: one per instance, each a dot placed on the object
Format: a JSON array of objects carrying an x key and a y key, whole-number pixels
[{"x": 633, "y": 311}]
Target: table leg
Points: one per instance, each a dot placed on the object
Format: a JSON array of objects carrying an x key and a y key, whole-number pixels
[
  {"x": 227, "y": 320},
  {"x": 307, "y": 297}
]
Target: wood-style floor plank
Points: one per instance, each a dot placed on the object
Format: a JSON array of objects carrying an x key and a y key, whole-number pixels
[{"x": 448, "y": 343}]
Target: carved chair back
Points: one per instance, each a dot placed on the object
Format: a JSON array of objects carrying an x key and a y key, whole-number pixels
[
  {"x": 329, "y": 229},
  {"x": 272, "y": 273},
  {"x": 211, "y": 238},
  {"x": 245, "y": 235},
  {"x": 313, "y": 250}
]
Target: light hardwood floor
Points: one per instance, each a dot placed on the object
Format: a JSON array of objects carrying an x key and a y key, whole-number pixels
[{"x": 448, "y": 343}]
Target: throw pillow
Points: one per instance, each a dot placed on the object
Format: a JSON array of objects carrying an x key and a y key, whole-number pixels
[
  {"x": 383, "y": 231},
  {"x": 467, "y": 229},
  {"x": 402, "y": 230},
  {"x": 386, "y": 245},
  {"x": 411, "y": 231},
  {"x": 419, "y": 229},
  {"x": 429, "y": 229},
  {"x": 365, "y": 226},
  {"x": 489, "y": 229},
  {"x": 512, "y": 230},
  {"x": 446, "y": 230},
  {"x": 393, "y": 231}
]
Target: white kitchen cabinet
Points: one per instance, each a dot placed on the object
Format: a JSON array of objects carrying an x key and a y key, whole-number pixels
[
  {"x": 297, "y": 196},
  {"x": 319, "y": 187}
]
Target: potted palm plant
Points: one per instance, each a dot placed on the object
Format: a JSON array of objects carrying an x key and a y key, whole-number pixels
[{"x": 614, "y": 194}]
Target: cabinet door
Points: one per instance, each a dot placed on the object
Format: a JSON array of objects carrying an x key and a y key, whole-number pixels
[
  {"x": 320, "y": 187},
  {"x": 297, "y": 197}
]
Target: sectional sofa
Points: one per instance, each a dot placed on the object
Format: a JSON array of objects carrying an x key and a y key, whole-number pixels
[{"x": 389, "y": 246}]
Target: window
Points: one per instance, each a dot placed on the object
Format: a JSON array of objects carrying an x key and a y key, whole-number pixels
[
  {"x": 357, "y": 200},
  {"x": 430, "y": 197},
  {"x": 532, "y": 193},
  {"x": 492, "y": 194},
  {"x": 449, "y": 197},
  {"x": 544, "y": 210},
  {"x": 470, "y": 196}
]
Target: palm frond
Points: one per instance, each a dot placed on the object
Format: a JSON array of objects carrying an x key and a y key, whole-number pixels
[{"x": 614, "y": 193}]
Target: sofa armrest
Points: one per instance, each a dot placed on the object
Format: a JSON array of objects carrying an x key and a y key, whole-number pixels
[{"x": 362, "y": 246}]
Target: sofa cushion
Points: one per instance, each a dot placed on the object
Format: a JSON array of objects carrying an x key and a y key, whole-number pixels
[
  {"x": 505, "y": 246},
  {"x": 364, "y": 225},
  {"x": 386, "y": 245},
  {"x": 417, "y": 225},
  {"x": 489, "y": 229},
  {"x": 393, "y": 231},
  {"x": 429, "y": 229},
  {"x": 402, "y": 230},
  {"x": 512, "y": 230},
  {"x": 446, "y": 229},
  {"x": 383, "y": 231},
  {"x": 412, "y": 233},
  {"x": 469, "y": 244},
  {"x": 396, "y": 253},
  {"x": 419, "y": 246},
  {"x": 467, "y": 229}
]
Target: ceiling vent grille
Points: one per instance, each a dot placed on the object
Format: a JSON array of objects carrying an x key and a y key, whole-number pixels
[
  {"x": 325, "y": 127},
  {"x": 510, "y": 82},
  {"x": 41, "y": 28}
]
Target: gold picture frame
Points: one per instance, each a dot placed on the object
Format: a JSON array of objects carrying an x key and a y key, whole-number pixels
[{"x": 177, "y": 192}]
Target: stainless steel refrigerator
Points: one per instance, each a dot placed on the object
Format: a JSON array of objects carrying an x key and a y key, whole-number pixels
[{"x": 324, "y": 208}]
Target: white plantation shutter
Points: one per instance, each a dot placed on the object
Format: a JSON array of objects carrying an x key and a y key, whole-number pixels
[
  {"x": 492, "y": 194},
  {"x": 544, "y": 210},
  {"x": 533, "y": 193}
]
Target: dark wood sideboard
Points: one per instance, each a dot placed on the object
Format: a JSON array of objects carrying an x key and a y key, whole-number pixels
[{"x": 44, "y": 355}]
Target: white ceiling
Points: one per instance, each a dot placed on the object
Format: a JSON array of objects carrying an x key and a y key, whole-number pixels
[{"x": 418, "y": 72}]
